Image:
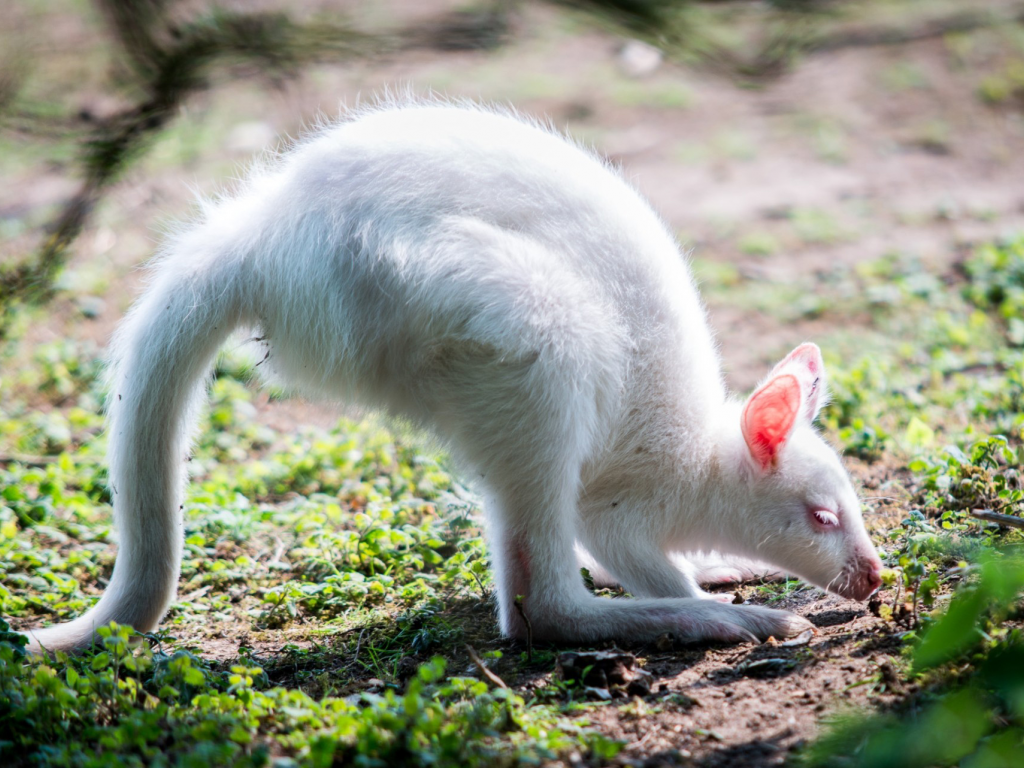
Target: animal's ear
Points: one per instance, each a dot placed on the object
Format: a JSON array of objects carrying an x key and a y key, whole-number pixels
[
  {"x": 805, "y": 364},
  {"x": 794, "y": 389},
  {"x": 769, "y": 417}
]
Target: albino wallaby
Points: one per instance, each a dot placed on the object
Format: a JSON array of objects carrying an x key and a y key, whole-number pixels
[{"x": 490, "y": 280}]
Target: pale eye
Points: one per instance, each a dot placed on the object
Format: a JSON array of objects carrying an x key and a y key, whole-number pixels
[{"x": 825, "y": 517}]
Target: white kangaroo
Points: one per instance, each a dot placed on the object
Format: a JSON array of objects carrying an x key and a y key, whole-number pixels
[{"x": 498, "y": 284}]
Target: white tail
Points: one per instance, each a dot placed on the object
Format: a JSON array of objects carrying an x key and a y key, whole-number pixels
[{"x": 162, "y": 355}]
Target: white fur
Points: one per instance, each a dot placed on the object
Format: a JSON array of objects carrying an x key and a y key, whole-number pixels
[{"x": 503, "y": 287}]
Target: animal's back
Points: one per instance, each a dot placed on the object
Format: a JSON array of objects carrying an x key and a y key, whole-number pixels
[
  {"x": 419, "y": 164},
  {"x": 405, "y": 218}
]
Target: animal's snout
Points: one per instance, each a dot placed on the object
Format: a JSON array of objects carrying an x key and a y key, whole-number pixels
[{"x": 866, "y": 576}]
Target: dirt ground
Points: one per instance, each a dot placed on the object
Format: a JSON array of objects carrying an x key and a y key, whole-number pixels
[{"x": 851, "y": 155}]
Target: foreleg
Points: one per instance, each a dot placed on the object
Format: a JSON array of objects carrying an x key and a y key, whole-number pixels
[{"x": 714, "y": 568}]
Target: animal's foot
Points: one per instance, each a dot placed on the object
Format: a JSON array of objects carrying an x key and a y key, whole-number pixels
[
  {"x": 689, "y": 620},
  {"x": 738, "y": 623}
]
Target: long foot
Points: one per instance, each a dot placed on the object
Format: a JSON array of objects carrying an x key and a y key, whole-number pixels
[{"x": 689, "y": 620}]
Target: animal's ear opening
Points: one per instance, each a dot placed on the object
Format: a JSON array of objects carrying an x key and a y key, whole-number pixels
[
  {"x": 805, "y": 364},
  {"x": 769, "y": 417}
]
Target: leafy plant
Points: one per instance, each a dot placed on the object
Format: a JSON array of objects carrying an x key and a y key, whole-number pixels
[
  {"x": 985, "y": 475},
  {"x": 124, "y": 705},
  {"x": 970, "y": 714}
]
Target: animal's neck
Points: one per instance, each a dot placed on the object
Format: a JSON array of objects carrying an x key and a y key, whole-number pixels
[{"x": 714, "y": 500}]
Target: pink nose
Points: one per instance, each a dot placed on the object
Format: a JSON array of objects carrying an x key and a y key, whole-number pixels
[
  {"x": 868, "y": 579},
  {"x": 874, "y": 578}
]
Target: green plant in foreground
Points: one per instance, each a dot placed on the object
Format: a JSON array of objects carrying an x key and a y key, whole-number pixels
[
  {"x": 971, "y": 713},
  {"x": 967, "y": 661},
  {"x": 343, "y": 529},
  {"x": 125, "y": 706}
]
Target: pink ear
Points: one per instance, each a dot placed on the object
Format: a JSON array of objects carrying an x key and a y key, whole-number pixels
[
  {"x": 806, "y": 365},
  {"x": 769, "y": 416}
]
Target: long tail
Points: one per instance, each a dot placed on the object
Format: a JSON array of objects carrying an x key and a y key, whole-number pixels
[{"x": 162, "y": 355}]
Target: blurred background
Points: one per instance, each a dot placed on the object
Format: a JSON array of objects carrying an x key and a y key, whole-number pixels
[
  {"x": 846, "y": 172},
  {"x": 786, "y": 141}
]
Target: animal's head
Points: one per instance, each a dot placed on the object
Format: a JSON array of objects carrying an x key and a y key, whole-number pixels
[{"x": 802, "y": 511}]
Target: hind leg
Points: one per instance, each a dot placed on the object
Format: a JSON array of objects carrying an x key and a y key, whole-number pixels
[{"x": 526, "y": 441}]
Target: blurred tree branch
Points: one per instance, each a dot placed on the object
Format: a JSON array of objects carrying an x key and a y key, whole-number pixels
[
  {"x": 960, "y": 21},
  {"x": 169, "y": 61}
]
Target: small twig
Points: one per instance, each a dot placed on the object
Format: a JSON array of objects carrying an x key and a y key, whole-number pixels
[
  {"x": 480, "y": 585},
  {"x": 40, "y": 606},
  {"x": 529, "y": 627},
  {"x": 995, "y": 367},
  {"x": 492, "y": 678},
  {"x": 192, "y": 596},
  {"x": 995, "y": 517},
  {"x": 962, "y": 21},
  {"x": 28, "y": 461},
  {"x": 640, "y": 742},
  {"x": 359, "y": 645},
  {"x": 278, "y": 553}
]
